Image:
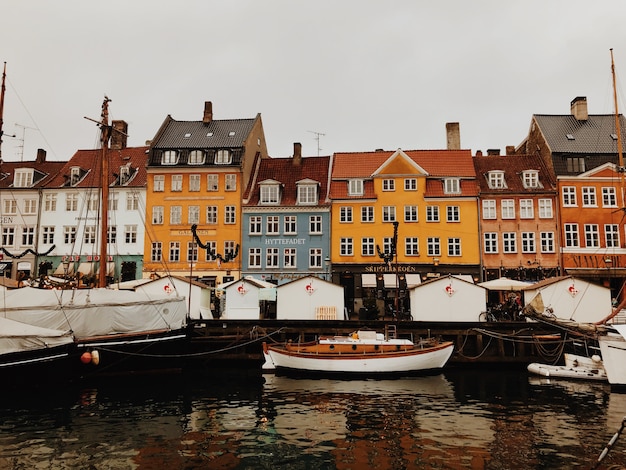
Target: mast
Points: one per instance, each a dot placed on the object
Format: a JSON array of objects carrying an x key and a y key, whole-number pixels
[
  {"x": 105, "y": 135},
  {"x": 618, "y": 132},
  {"x": 4, "y": 76}
]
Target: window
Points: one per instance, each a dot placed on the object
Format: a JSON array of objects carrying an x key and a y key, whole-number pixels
[
  {"x": 50, "y": 202},
  {"x": 193, "y": 215},
  {"x": 174, "y": 251},
  {"x": 156, "y": 252},
  {"x": 157, "y": 215},
  {"x": 169, "y": 157},
  {"x": 28, "y": 236},
  {"x": 290, "y": 225},
  {"x": 124, "y": 174},
  {"x": 545, "y": 208},
  {"x": 69, "y": 235},
  {"x": 367, "y": 246},
  {"x": 212, "y": 182},
  {"x": 355, "y": 187},
  {"x": 90, "y": 234},
  {"x": 315, "y": 224},
  {"x": 93, "y": 203},
  {"x": 388, "y": 247},
  {"x": 411, "y": 246},
  {"x": 192, "y": 252},
  {"x": 272, "y": 225},
  {"x": 454, "y": 246},
  {"x": 271, "y": 258},
  {"x": 211, "y": 215},
  {"x": 30, "y": 206},
  {"x": 176, "y": 215},
  {"x": 410, "y": 213},
  {"x": 269, "y": 194},
  {"x": 23, "y": 178},
  {"x": 130, "y": 233},
  {"x": 112, "y": 235},
  {"x": 491, "y": 242},
  {"x": 452, "y": 186},
  {"x": 547, "y": 242},
  {"x": 508, "y": 209},
  {"x": 410, "y": 184},
  {"x": 47, "y": 235},
  {"x": 159, "y": 183},
  {"x": 10, "y": 206},
  {"x": 530, "y": 179},
  {"x": 389, "y": 213},
  {"x": 223, "y": 157},
  {"x": 589, "y": 196},
  {"x": 367, "y": 214},
  {"x": 569, "y": 196},
  {"x": 132, "y": 201},
  {"x": 526, "y": 210},
  {"x": 571, "y": 235},
  {"x": 509, "y": 242},
  {"x": 315, "y": 258},
  {"x": 231, "y": 182},
  {"x": 196, "y": 157},
  {"x": 255, "y": 227},
  {"x": 432, "y": 213},
  {"x": 345, "y": 214},
  {"x": 611, "y": 235},
  {"x": 211, "y": 247},
  {"x": 575, "y": 165},
  {"x": 194, "y": 183},
  {"x": 389, "y": 185},
  {"x": 592, "y": 236},
  {"x": 345, "y": 246},
  {"x": 453, "y": 214},
  {"x": 289, "y": 258},
  {"x": 230, "y": 215},
  {"x": 8, "y": 236},
  {"x": 74, "y": 175},
  {"x": 495, "y": 180},
  {"x": 177, "y": 183},
  {"x": 489, "y": 209},
  {"x": 433, "y": 246},
  {"x": 71, "y": 202},
  {"x": 609, "y": 198},
  {"x": 307, "y": 194},
  {"x": 528, "y": 242},
  {"x": 229, "y": 247},
  {"x": 254, "y": 257}
]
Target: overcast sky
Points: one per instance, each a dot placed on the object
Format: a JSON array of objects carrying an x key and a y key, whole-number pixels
[{"x": 359, "y": 74}]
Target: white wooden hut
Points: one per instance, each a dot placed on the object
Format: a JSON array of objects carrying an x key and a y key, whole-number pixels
[
  {"x": 570, "y": 298},
  {"x": 197, "y": 294},
  {"x": 448, "y": 299},
  {"x": 241, "y": 299},
  {"x": 310, "y": 298}
]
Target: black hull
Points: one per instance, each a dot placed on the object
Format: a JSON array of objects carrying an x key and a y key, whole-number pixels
[{"x": 39, "y": 368}]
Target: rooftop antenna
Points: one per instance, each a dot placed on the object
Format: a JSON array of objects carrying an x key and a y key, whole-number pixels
[
  {"x": 21, "y": 140},
  {"x": 317, "y": 138}
]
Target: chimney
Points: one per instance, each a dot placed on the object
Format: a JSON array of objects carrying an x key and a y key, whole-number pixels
[
  {"x": 578, "y": 107},
  {"x": 119, "y": 136},
  {"x": 453, "y": 135},
  {"x": 297, "y": 153},
  {"x": 510, "y": 149},
  {"x": 493, "y": 152},
  {"x": 208, "y": 113},
  {"x": 479, "y": 153},
  {"x": 41, "y": 156}
]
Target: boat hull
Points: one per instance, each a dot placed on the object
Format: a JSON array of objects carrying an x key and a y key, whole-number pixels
[{"x": 613, "y": 349}]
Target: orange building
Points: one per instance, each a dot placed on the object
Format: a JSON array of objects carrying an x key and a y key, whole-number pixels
[{"x": 196, "y": 172}]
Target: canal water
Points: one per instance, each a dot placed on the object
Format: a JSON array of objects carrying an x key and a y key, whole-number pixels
[{"x": 463, "y": 418}]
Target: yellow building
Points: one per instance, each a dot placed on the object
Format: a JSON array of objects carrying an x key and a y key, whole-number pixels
[
  {"x": 196, "y": 173},
  {"x": 422, "y": 201}
]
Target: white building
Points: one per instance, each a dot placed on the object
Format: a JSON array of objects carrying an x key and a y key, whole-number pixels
[{"x": 310, "y": 298}]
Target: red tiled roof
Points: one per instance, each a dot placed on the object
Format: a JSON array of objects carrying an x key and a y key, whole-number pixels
[
  {"x": 49, "y": 169},
  {"x": 434, "y": 188},
  {"x": 513, "y": 166}
]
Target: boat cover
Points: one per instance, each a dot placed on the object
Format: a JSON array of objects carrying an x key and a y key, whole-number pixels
[{"x": 18, "y": 337}]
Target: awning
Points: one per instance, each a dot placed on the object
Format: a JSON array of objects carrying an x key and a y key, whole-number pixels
[
  {"x": 413, "y": 280},
  {"x": 110, "y": 269},
  {"x": 368, "y": 280},
  {"x": 60, "y": 270},
  {"x": 4, "y": 266},
  {"x": 390, "y": 281},
  {"x": 86, "y": 268}
]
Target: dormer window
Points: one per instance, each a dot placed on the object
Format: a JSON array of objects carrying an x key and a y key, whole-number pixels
[
  {"x": 124, "y": 174},
  {"x": 495, "y": 179},
  {"x": 196, "y": 157},
  {"x": 530, "y": 179},
  {"x": 169, "y": 157},
  {"x": 355, "y": 188},
  {"x": 270, "y": 193},
  {"x": 74, "y": 175},
  {"x": 452, "y": 186},
  {"x": 23, "y": 178},
  {"x": 307, "y": 193},
  {"x": 223, "y": 157}
]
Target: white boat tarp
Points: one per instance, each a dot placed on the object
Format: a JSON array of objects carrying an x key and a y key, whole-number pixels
[
  {"x": 18, "y": 337},
  {"x": 94, "y": 312}
]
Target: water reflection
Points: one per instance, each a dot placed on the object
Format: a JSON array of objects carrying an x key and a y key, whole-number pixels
[{"x": 458, "y": 419}]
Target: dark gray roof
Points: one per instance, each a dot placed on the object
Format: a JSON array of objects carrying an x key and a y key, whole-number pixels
[
  {"x": 589, "y": 137},
  {"x": 195, "y": 134}
]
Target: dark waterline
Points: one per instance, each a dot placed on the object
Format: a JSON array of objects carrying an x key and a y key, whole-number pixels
[{"x": 462, "y": 418}]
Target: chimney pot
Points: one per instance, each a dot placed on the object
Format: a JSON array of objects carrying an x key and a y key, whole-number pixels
[
  {"x": 453, "y": 135},
  {"x": 208, "y": 113}
]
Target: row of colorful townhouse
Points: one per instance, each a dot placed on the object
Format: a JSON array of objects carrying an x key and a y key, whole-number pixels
[{"x": 203, "y": 199}]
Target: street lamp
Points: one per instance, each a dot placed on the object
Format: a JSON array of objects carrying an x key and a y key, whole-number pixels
[{"x": 327, "y": 264}]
